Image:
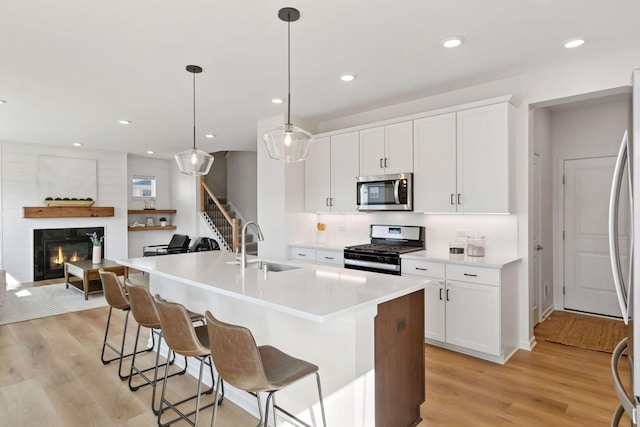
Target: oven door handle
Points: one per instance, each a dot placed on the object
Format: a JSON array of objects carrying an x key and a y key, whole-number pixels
[
  {"x": 372, "y": 264},
  {"x": 396, "y": 191}
]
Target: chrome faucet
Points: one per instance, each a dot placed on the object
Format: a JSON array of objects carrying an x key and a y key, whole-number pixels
[{"x": 243, "y": 244}]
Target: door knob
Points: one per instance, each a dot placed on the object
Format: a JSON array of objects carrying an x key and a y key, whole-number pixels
[{"x": 539, "y": 248}]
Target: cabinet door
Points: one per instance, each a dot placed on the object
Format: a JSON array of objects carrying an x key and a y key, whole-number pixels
[
  {"x": 473, "y": 316},
  {"x": 372, "y": 151},
  {"x": 434, "y": 178},
  {"x": 317, "y": 174},
  {"x": 344, "y": 172},
  {"x": 483, "y": 159},
  {"x": 398, "y": 145},
  {"x": 434, "y": 310}
]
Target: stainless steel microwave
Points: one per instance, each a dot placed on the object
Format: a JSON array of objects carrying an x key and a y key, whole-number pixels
[{"x": 385, "y": 192}]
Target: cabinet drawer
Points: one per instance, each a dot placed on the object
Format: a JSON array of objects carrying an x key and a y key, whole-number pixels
[
  {"x": 464, "y": 273},
  {"x": 329, "y": 257},
  {"x": 303, "y": 254},
  {"x": 422, "y": 268}
]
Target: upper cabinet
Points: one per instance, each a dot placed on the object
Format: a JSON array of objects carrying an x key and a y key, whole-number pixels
[
  {"x": 386, "y": 149},
  {"x": 331, "y": 170},
  {"x": 462, "y": 161},
  {"x": 434, "y": 172}
]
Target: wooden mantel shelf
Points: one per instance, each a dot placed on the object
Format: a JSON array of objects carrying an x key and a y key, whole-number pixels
[{"x": 66, "y": 211}]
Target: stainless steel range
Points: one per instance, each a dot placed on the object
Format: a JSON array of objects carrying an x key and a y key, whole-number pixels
[{"x": 388, "y": 242}]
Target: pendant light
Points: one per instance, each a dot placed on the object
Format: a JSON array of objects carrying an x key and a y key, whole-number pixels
[
  {"x": 194, "y": 161},
  {"x": 288, "y": 143}
]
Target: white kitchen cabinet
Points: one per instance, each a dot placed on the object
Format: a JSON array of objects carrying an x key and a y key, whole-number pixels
[
  {"x": 317, "y": 256},
  {"x": 317, "y": 173},
  {"x": 434, "y": 173},
  {"x": 302, "y": 254},
  {"x": 386, "y": 149},
  {"x": 469, "y": 308},
  {"x": 462, "y": 161},
  {"x": 331, "y": 170},
  {"x": 330, "y": 257},
  {"x": 434, "y": 293},
  {"x": 483, "y": 144},
  {"x": 472, "y": 316}
]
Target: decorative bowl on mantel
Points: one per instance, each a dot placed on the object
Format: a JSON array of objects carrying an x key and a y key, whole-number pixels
[{"x": 70, "y": 203}]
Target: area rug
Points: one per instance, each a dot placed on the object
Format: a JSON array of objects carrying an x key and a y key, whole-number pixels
[
  {"x": 588, "y": 332},
  {"x": 33, "y": 302}
]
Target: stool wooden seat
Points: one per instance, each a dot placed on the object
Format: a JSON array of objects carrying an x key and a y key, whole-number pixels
[
  {"x": 247, "y": 366},
  {"x": 186, "y": 340},
  {"x": 116, "y": 297}
]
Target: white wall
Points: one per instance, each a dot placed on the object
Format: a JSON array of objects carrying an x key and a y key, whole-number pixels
[
  {"x": 216, "y": 179},
  {"x": 20, "y": 188},
  {"x": 160, "y": 169},
  {"x": 581, "y": 131},
  {"x": 592, "y": 75},
  {"x": 242, "y": 179}
]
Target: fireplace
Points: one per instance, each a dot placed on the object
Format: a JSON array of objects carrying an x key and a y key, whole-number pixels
[{"x": 55, "y": 246}]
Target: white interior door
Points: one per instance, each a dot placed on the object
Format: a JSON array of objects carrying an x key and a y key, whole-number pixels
[
  {"x": 588, "y": 279},
  {"x": 536, "y": 290}
]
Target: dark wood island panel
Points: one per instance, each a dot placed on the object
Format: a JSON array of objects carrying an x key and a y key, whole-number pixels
[{"x": 399, "y": 361}]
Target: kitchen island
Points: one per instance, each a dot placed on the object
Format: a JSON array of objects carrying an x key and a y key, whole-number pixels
[{"x": 364, "y": 330}]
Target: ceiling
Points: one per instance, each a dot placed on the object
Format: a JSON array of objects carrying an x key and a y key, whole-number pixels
[{"x": 69, "y": 70}]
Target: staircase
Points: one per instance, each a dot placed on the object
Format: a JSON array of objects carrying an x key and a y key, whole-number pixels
[
  {"x": 223, "y": 229},
  {"x": 223, "y": 221}
]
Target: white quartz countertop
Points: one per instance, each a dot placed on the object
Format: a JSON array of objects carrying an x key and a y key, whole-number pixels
[
  {"x": 313, "y": 292},
  {"x": 484, "y": 261}
]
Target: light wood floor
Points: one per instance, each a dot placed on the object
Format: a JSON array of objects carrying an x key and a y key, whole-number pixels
[{"x": 51, "y": 375}]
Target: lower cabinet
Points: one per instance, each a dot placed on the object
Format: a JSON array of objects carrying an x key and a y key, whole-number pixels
[
  {"x": 469, "y": 309},
  {"x": 317, "y": 256}
]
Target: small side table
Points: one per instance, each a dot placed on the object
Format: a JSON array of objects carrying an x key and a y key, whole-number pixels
[{"x": 88, "y": 272}]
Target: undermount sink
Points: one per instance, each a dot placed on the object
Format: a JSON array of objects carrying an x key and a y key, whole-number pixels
[{"x": 271, "y": 266}]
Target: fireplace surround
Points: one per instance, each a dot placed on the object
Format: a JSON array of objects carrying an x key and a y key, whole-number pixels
[{"x": 52, "y": 247}]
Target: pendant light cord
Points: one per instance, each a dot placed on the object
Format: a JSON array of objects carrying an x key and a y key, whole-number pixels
[
  {"x": 289, "y": 69},
  {"x": 194, "y": 111}
]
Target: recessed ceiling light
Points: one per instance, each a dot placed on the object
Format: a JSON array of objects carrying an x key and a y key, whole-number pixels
[
  {"x": 453, "y": 41},
  {"x": 124, "y": 122},
  {"x": 347, "y": 77},
  {"x": 2, "y": 101},
  {"x": 277, "y": 100},
  {"x": 150, "y": 152},
  {"x": 570, "y": 44},
  {"x": 77, "y": 144},
  {"x": 210, "y": 136}
]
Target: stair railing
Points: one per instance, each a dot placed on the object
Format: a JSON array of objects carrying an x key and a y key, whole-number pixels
[{"x": 218, "y": 214}]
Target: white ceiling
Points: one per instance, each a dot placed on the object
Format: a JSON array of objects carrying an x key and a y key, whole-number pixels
[{"x": 70, "y": 69}]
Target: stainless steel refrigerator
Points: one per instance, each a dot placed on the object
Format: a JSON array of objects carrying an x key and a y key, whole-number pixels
[{"x": 624, "y": 263}]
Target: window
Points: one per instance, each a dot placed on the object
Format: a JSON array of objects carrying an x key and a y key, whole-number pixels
[{"x": 144, "y": 186}]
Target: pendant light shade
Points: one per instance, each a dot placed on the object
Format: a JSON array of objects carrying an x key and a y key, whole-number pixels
[
  {"x": 288, "y": 143},
  {"x": 194, "y": 161}
]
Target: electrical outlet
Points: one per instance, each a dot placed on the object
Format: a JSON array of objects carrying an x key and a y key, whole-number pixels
[
  {"x": 546, "y": 290},
  {"x": 342, "y": 227}
]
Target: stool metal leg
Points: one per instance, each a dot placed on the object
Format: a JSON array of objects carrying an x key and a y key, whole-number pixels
[
  {"x": 151, "y": 381},
  {"x": 118, "y": 352},
  {"x": 174, "y": 406},
  {"x": 275, "y": 407}
]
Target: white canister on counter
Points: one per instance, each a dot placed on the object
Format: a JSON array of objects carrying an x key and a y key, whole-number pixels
[{"x": 475, "y": 244}]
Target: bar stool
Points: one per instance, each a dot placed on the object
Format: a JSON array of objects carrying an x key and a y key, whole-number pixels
[
  {"x": 144, "y": 312},
  {"x": 186, "y": 340},
  {"x": 116, "y": 298},
  {"x": 241, "y": 363}
]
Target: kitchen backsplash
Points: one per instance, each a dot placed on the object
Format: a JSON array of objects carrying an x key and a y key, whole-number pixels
[{"x": 501, "y": 231}]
